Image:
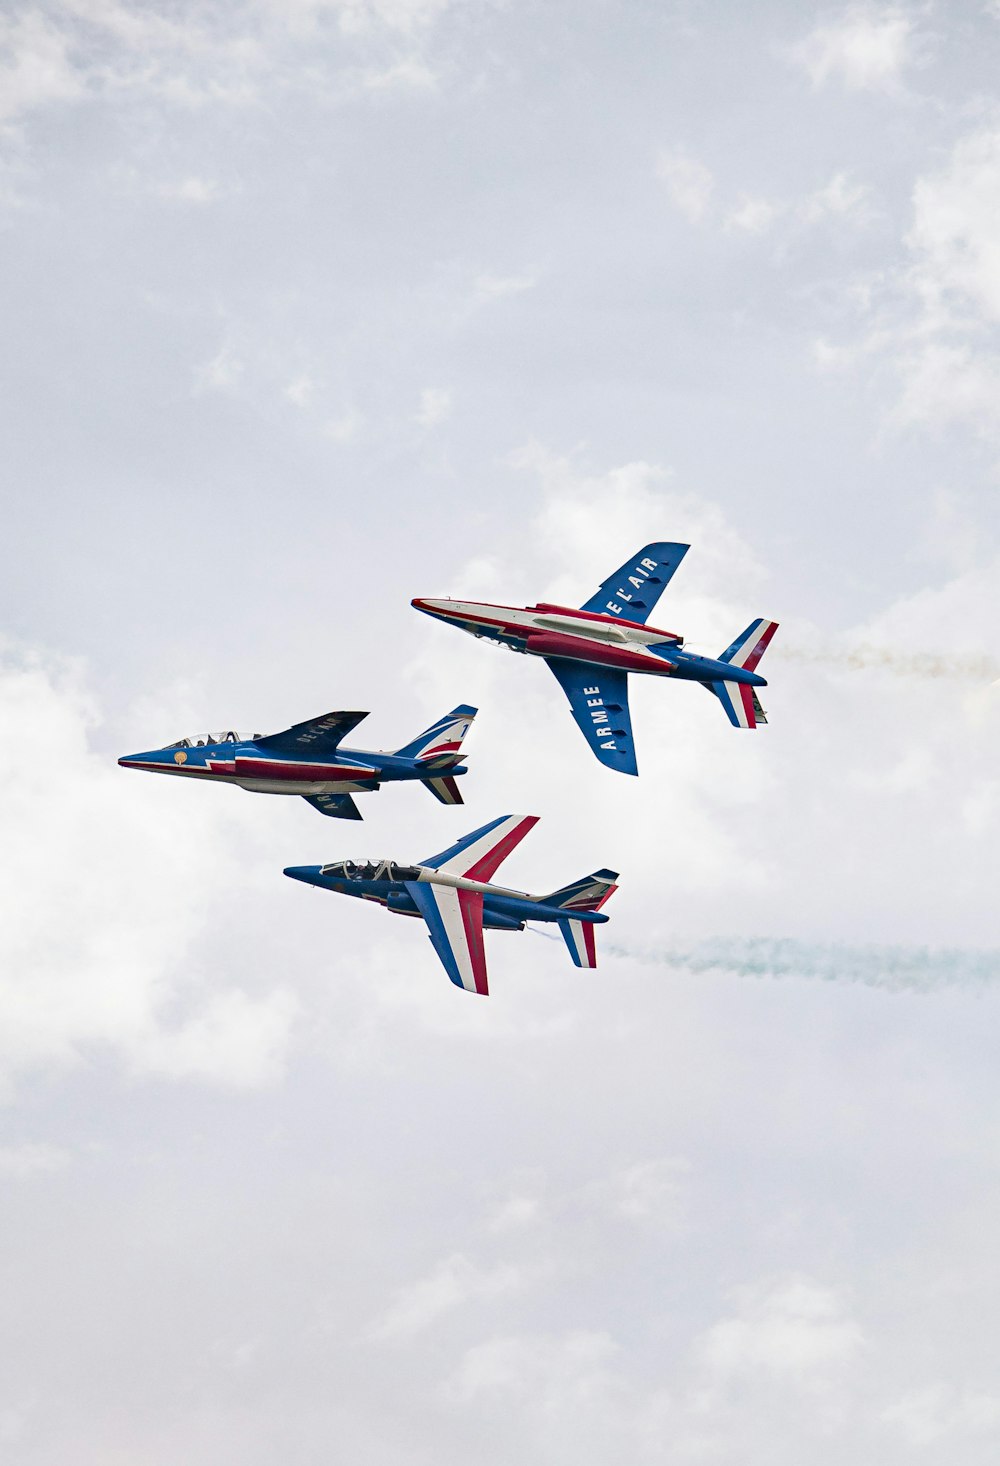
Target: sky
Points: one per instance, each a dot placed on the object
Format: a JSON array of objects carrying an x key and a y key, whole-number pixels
[{"x": 315, "y": 306}]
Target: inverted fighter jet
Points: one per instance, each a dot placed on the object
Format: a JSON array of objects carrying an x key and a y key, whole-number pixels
[
  {"x": 592, "y": 650},
  {"x": 307, "y": 760},
  {"x": 453, "y": 894}
]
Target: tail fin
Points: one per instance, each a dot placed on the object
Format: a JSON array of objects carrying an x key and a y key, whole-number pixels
[
  {"x": 748, "y": 648},
  {"x": 589, "y": 893},
  {"x": 442, "y": 740}
]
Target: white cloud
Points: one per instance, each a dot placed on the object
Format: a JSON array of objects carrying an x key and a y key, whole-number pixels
[
  {"x": 36, "y": 68},
  {"x": 574, "y": 1364},
  {"x": 753, "y": 215},
  {"x": 688, "y": 182},
  {"x": 435, "y": 406},
  {"x": 190, "y": 190},
  {"x": 344, "y": 428},
  {"x": 31, "y": 1159},
  {"x": 653, "y": 1190},
  {"x": 934, "y": 315},
  {"x": 954, "y": 239},
  {"x": 867, "y": 49},
  {"x": 301, "y": 391},
  {"x": 945, "y": 342},
  {"x": 840, "y": 198},
  {"x": 360, "y": 17},
  {"x": 789, "y": 1328},
  {"x": 410, "y": 73},
  {"x": 943, "y": 1413},
  {"x": 222, "y": 373},
  {"x": 454, "y": 1283},
  {"x": 494, "y": 287},
  {"x": 106, "y": 889}
]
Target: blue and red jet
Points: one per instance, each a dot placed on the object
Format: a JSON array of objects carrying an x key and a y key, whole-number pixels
[
  {"x": 592, "y": 650},
  {"x": 453, "y": 894},
  {"x": 308, "y": 760}
]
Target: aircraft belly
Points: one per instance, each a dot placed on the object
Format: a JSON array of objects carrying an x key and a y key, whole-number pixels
[
  {"x": 582, "y": 649},
  {"x": 304, "y": 786}
]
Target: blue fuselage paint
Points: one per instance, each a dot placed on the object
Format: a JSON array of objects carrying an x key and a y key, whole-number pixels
[
  {"x": 502, "y": 911},
  {"x": 370, "y": 768}
]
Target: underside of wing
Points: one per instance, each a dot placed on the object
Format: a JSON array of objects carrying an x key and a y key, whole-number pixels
[
  {"x": 479, "y": 855},
  {"x": 455, "y": 924},
  {"x": 634, "y": 590},
  {"x": 598, "y": 697},
  {"x": 338, "y": 806},
  {"x": 319, "y": 735}
]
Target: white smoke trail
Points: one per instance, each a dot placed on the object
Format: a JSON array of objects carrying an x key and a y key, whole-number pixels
[
  {"x": 895, "y": 968},
  {"x": 866, "y": 658}
]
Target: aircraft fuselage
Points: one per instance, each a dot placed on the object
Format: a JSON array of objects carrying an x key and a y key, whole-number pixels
[
  {"x": 552, "y": 631},
  {"x": 264, "y": 772},
  {"x": 385, "y": 883}
]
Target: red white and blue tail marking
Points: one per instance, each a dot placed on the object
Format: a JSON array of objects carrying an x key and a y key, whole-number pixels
[
  {"x": 748, "y": 648},
  {"x": 441, "y": 738}
]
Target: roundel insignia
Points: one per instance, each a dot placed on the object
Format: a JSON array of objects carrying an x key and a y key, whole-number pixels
[{"x": 180, "y": 757}]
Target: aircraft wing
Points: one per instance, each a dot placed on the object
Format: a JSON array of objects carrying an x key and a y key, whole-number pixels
[
  {"x": 478, "y": 855},
  {"x": 337, "y": 806},
  {"x": 598, "y": 697},
  {"x": 634, "y": 590},
  {"x": 455, "y": 923},
  {"x": 319, "y": 735}
]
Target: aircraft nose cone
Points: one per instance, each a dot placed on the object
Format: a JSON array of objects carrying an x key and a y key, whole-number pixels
[
  {"x": 307, "y": 873},
  {"x": 129, "y": 761}
]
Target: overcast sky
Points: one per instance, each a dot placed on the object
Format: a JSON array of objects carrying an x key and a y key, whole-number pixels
[{"x": 312, "y": 306}]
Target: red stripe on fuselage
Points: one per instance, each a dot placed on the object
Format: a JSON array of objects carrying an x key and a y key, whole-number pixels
[
  {"x": 582, "y": 649},
  {"x": 270, "y": 768}
]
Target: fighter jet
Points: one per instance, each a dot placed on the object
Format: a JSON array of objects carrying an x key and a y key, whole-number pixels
[
  {"x": 453, "y": 894},
  {"x": 307, "y": 760},
  {"x": 592, "y": 650}
]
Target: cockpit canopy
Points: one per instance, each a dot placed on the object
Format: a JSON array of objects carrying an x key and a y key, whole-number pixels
[
  {"x": 202, "y": 740},
  {"x": 370, "y": 870}
]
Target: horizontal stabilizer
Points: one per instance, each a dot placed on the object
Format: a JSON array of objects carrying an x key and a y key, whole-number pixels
[
  {"x": 338, "y": 806},
  {"x": 444, "y": 788},
  {"x": 739, "y": 702},
  {"x": 579, "y": 938},
  {"x": 318, "y": 735}
]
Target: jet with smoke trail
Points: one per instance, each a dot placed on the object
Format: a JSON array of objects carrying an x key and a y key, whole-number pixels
[{"x": 591, "y": 650}]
